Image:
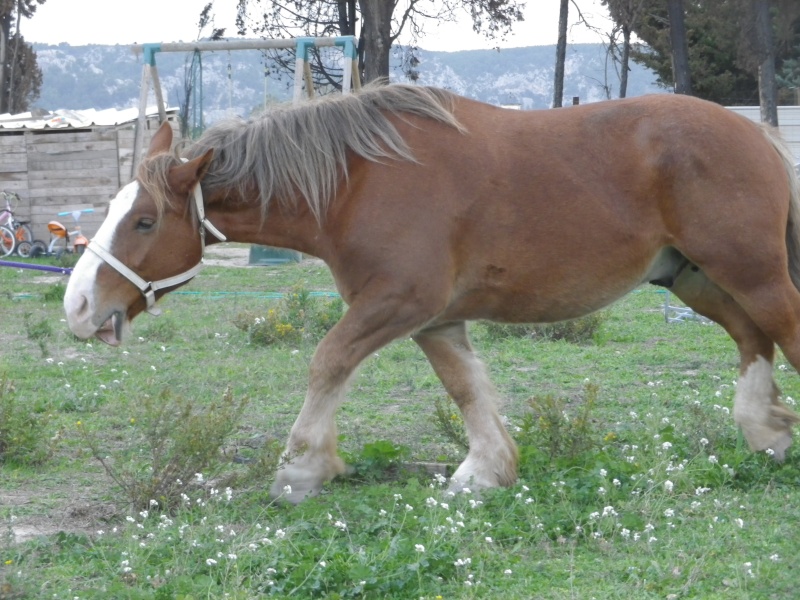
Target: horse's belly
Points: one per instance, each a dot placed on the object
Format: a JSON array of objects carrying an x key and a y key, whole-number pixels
[{"x": 536, "y": 297}]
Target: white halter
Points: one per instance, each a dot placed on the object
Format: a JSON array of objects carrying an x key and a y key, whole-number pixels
[{"x": 149, "y": 288}]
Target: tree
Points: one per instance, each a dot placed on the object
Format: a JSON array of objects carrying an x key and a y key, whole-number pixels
[
  {"x": 680, "y": 49},
  {"x": 20, "y": 75},
  {"x": 377, "y": 24},
  {"x": 561, "y": 54},
  {"x": 767, "y": 84},
  {"x": 625, "y": 14},
  {"x": 716, "y": 32}
]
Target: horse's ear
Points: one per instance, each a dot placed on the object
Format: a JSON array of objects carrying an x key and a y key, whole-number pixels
[
  {"x": 161, "y": 141},
  {"x": 183, "y": 178}
]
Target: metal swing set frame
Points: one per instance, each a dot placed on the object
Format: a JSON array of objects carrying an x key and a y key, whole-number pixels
[{"x": 302, "y": 71}]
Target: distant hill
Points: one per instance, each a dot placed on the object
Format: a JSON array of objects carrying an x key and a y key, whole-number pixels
[{"x": 79, "y": 77}]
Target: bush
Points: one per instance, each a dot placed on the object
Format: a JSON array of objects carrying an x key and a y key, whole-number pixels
[
  {"x": 299, "y": 316},
  {"x": 575, "y": 331},
  {"x": 171, "y": 442},
  {"x": 23, "y": 436}
]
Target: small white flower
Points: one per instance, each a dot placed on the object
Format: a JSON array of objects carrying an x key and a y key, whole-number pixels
[
  {"x": 419, "y": 547},
  {"x": 211, "y": 562},
  {"x": 739, "y": 522},
  {"x": 323, "y": 564},
  {"x": 713, "y": 459},
  {"x": 668, "y": 485},
  {"x": 507, "y": 572}
]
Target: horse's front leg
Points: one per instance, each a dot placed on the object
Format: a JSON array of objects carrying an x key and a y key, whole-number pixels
[{"x": 310, "y": 458}]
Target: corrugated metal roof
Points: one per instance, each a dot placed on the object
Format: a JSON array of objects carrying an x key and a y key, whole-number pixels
[{"x": 76, "y": 119}]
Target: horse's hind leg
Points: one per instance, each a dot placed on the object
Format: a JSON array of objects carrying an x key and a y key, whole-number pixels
[
  {"x": 765, "y": 421},
  {"x": 492, "y": 457}
]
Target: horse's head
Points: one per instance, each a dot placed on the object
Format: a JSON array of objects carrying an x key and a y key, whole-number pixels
[{"x": 149, "y": 243}]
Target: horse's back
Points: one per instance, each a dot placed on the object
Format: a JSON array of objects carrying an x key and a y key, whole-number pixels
[{"x": 547, "y": 215}]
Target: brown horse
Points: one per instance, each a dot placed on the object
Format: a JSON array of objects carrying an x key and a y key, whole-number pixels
[{"x": 432, "y": 210}]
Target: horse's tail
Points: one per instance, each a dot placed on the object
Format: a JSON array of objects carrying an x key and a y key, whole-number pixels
[{"x": 793, "y": 224}]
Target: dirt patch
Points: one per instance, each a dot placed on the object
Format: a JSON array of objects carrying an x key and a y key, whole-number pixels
[
  {"x": 73, "y": 513},
  {"x": 227, "y": 255}
]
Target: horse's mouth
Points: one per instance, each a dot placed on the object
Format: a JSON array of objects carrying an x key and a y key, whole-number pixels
[{"x": 110, "y": 332}]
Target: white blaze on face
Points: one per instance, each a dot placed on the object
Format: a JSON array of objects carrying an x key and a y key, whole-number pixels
[{"x": 80, "y": 299}]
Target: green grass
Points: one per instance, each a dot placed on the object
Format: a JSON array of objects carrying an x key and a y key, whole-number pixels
[{"x": 633, "y": 484}]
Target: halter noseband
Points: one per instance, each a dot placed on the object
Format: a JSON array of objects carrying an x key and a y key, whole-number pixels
[{"x": 149, "y": 288}]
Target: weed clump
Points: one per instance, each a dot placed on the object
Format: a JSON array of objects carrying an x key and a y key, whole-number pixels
[
  {"x": 298, "y": 317},
  {"x": 23, "y": 435},
  {"x": 557, "y": 433},
  {"x": 449, "y": 423},
  {"x": 55, "y": 293},
  {"x": 172, "y": 445},
  {"x": 38, "y": 331}
]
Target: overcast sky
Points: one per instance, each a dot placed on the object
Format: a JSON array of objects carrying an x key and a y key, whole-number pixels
[{"x": 80, "y": 22}]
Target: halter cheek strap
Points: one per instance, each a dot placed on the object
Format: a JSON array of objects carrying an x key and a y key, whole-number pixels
[{"x": 149, "y": 288}]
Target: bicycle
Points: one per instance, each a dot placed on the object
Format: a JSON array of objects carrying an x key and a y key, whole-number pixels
[
  {"x": 12, "y": 230},
  {"x": 61, "y": 239}
]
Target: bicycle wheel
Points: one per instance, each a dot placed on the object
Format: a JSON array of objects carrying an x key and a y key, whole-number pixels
[
  {"x": 38, "y": 248},
  {"x": 24, "y": 233},
  {"x": 24, "y": 248},
  {"x": 7, "y": 241}
]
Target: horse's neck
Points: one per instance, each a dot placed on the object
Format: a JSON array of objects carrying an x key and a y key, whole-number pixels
[{"x": 285, "y": 227}]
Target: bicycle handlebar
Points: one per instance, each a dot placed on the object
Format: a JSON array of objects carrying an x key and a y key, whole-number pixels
[{"x": 69, "y": 212}]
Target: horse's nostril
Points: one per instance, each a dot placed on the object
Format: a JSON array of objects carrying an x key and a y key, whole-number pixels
[
  {"x": 84, "y": 306},
  {"x": 77, "y": 306}
]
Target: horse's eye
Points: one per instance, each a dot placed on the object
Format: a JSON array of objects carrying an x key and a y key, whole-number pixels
[{"x": 145, "y": 224}]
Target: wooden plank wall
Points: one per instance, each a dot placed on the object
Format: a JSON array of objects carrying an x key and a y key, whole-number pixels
[{"x": 56, "y": 170}]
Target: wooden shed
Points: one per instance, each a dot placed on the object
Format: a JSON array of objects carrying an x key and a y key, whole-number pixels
[{"x": 68, "y": 161}]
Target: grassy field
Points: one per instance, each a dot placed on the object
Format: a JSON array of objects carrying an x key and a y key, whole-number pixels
[{"x": 142, "y": 471}]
